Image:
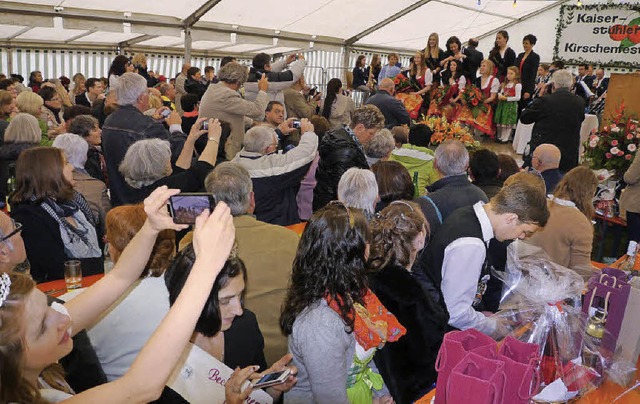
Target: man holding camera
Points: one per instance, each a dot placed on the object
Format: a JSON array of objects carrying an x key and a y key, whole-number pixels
[
  {"x": 276, "y": 177},
  {"x": 274, "y": 117},
  {"x": 301, "y": 101}
]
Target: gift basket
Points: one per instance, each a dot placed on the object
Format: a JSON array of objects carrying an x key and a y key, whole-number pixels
[{"x": 550, "y": 347}]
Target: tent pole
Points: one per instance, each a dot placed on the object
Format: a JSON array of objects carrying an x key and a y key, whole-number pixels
[
  {"x": 346, "y": 51},
  {"x": 187, "y": 45},
  {"x": 9, "y": 60}
]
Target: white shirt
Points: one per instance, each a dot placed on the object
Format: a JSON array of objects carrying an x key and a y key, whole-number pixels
[
  {"x": 122, "y": 332},
  {"x": 461, "y": 268}
]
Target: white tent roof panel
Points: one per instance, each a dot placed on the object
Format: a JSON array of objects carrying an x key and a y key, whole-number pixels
[
  {"x": 281, "y": 49},
  {"x": 104, "y": 37},
  {"x": 43, "y": 34},
  {"x": 208, "y": 44},
  {"x": 243, "y": 48},
  {"x": 7, "y": 31},
  {"x": 163, "y": 41},
  {"x": 340, "y": 19}
]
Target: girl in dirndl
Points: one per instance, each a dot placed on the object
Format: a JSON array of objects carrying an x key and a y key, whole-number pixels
[{"x": 506, "y": 116}]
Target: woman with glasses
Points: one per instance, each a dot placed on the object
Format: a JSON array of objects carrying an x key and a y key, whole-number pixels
[
  {"x": 407, "y": 366},
  {"x": 59, "y": 224},
  {"x": 332, "y": 318},
  {"x": 12, "y": 251},
  {"x": 52, "y": 111}
]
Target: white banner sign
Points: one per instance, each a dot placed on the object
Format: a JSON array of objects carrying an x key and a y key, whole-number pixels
[{"x": 603, "y": 34}]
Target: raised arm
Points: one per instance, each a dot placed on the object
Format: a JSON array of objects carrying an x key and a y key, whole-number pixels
[
  {"x": 210, "y": 152},
  {"x": 144, "y": 381},
  {"x": 89, "y": 305},
  {"x": 184, "y": 159}
]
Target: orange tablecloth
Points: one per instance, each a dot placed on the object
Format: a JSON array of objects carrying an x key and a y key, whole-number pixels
[
  {"x": 59, "y": 288},
  {"x": 298, "y": 227}
]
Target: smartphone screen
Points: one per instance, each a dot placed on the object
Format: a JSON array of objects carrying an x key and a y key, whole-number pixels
[
  {"x": 272, "y": 378},
  {"x": 186, "y": 207}
]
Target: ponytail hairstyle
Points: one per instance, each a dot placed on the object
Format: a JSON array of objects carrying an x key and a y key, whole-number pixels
[
  {"x": 13, "y": 385},
  {"x": 496, "y": 49},
  {"x": 333, "y": 87},
  {"x": 393, "y": 233}
]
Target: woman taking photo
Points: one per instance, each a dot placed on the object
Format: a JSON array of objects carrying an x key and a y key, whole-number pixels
[
  {"x": 433, "y": 56},
  {"x": 528, "y": 62},
  {"x": 337, "y": 108},
  {"x": 225, "y": 330},
  {"x": 408, "y": 365},
  {"x": 58, "y": 224},
  {"x": 330, "y": 315},
  {"x": 34, "y": 336},
  {"x": 568, "y": 235},
  {"x": 502, "y": 55}
]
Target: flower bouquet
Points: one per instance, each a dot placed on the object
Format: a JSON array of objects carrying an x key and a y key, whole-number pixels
[
  {"x": 614, "y": 147},
  {"x": 444, "y": 130},
  {"x": 473, "y": 98},
  {"x": 404, "y": 88},
  {"x": 404, "y": 84}
]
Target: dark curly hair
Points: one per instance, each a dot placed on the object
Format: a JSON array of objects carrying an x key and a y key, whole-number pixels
[
  {"x": 209, "y": 322},
  {"x": 330, "y": 261}
]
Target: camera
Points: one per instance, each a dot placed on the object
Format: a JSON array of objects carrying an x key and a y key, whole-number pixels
[
  {"x": 295, "y": 124},
  {"x": 205, "y": 125},
  {"x": 165, "y": 114},
  {"x": 313, "y": 91}
]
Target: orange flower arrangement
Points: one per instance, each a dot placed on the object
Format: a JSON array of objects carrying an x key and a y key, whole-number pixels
[{"x": 444, "y": 130}]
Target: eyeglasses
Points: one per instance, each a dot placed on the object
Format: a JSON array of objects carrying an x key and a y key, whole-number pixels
[{"x": 17, "y": 228}]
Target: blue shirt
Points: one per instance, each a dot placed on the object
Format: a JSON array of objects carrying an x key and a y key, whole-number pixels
[{"x": 388, "y": 72}]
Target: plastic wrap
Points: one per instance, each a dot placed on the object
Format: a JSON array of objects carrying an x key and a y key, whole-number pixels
[{"x": 541, "y": 305}]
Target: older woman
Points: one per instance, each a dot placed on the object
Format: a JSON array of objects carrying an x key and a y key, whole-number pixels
[
  {"x": 31, "y": 103},
  {"x": 407, "y": 366},
  {"x": 193, "y": 84},
  {"x": 22, "y": 133},
  {"x": 358, "y": 189},
  {"x": 568, "y": 235},
  {"x": 94, "y": 190},
  {"x": 380, "y": 146},
  {"x": 58, "y": 222},
  {"x": 122, "y": 332},
  {"x": 223, "y": 101},
  {"x": 86, "y": 126},
  {"x": 52, "y": 111},
  {"x": 337, "y": 107},
  {"x": 147, "y": 163}
]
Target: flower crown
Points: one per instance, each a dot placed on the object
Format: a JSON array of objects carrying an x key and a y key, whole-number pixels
[{"x": 5, "y": 286}]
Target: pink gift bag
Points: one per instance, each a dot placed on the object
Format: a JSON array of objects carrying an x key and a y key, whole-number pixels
[
  {"x": 521, "y": 362},
  {"x": 477, "y": 380}
]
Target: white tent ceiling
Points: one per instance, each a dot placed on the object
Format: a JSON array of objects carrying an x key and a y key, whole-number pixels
[{"x": 274, "y": 26}]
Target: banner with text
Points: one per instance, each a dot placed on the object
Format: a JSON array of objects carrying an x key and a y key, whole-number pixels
[{"x": 601, "y": 34}]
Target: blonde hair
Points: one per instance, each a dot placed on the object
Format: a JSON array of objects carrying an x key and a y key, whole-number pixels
[
  {"x": 23, "y": 128},
  {"x": 155, "y": 101},
  {"x": 29, "y": 103},
  {"x": 139, "y": 59},
  {"x": 435, "y": 51},
  {"x": 77, "y": 79},
  {"x": 490, "y": 64},
  {"x": 516, "y": 71}
]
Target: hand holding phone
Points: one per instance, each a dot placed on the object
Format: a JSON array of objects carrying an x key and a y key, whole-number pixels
[
  {"x": 271, "y": 379},
  {"x": 185, "y": 207}
]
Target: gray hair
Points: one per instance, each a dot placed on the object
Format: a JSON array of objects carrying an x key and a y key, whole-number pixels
[
  {"x": 258, "y": 138},
  {"x": 381, "y": 144},
  {"x": 82, "y": 125},
  {"x": 230, "y": 182},
  {"x": 74, "y": 147},
  {"x": 146, "y": 162},
  {"x": 129, "y": 87},
  {"x": 451, "y": 158},
  {"x": 23, "y": 128},
  {"x": 358, "y": 189},
  {"x": 562, "y": 79},
  {"x": 233, "y": 73}
]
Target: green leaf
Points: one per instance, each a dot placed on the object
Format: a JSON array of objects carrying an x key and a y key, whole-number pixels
[
  {"x": 635, "y": 21},
  {"x": 626, "y": 43}
]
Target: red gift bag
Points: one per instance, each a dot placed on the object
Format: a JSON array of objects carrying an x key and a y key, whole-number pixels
[
  {"x": 455, "y": 346},
  {"x": 521, "y": 361},
  {"x": 476, "y": 380}
]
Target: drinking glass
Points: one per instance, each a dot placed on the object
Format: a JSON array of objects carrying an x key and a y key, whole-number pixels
[{"x": 72, "y": 275}]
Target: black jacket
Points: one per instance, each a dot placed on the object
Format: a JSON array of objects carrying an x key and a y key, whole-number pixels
[
  {"x": 94, "y": 165},
  {"x": 395, "y": 114},
  {"x": 502, "y": 63},
  {"x": 121, "y": 129},
  {"x": 528, "y": 72},
  {"x": 602, "y": 87},
  {"x": 360, "y": 77},
  {"x": 9, "y": 153},
  {"x": 557, "y": 117},
  {"x": 471, "y": 63},
  {"x": 256, "y": 74},
  {"x": 338, "y": 153},
  {"x": 196, "y": 87},
  {"x": 408, "y": 365},
  {"x": 81, "y": 99}
]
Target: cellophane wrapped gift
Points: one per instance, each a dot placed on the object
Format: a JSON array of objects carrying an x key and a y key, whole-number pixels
[{"x": 541, "y": 305}]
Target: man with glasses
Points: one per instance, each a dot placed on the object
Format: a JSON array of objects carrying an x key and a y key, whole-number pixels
[
  {"x": 276, "y": 177},
  {"x": 12, "y": 250}
]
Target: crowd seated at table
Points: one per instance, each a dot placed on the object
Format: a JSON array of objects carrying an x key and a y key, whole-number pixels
[{"x": 397, "y": 230}]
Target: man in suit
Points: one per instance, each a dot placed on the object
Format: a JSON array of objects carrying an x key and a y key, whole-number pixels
[
  {"x": 601, "y": 83},
  {"x": 395, "y": 114},
  {"x": 557, "y": 118},
  {"x": 95, "y": 92},
  {"x": 584, "y": 83},
  {"x": 472, "y": 60}
]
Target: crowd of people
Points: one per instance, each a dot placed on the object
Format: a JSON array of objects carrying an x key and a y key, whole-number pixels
[{"x": 401, "y": 242}]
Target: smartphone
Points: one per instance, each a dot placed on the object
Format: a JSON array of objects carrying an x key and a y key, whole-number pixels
[
  {"x": 295, "y": 124},
  {"x": 165, "y": 113},
  {"x": 185, "y": 207},
  {"x": 271, "y": 379},
  {"x": 205, "y": 125}
]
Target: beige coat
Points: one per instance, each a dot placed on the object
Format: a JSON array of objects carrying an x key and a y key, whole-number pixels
[
  {"x": 630, "y": 198},
  {"x": 567, "y": 238},
  {"x": 95, "y": 192},
  {"x": 227, "y": 105},
  {"x": 180, "y": 91},
  {"x": 267, "y": 251},
  {"x": 297, "y": 106},
  {"x": 341, "y": 111}
]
